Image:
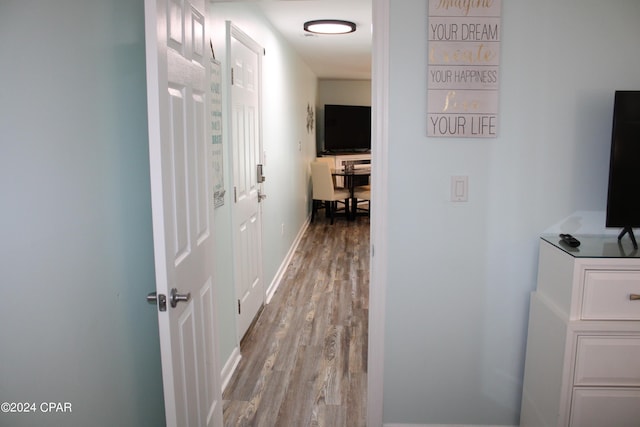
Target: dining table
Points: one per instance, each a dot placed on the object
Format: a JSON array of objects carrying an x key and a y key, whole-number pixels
[{"x": 351, "y": 175}]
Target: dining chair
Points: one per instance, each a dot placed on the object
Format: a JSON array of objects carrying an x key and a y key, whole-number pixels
[
  {"x": 324, "y": 193},
  {"x": 361, "y": 182},
  {"x": 332, "y": 164},
  {"x": 362, "y": 195},
  {"x": 326, "y": 160}
]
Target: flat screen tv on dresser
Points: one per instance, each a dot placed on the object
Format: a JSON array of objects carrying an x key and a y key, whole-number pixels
[
  {"x": 347, "y": 128},
  {"x": 623, "y": 198}
]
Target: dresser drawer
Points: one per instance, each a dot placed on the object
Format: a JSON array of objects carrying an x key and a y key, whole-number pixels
[
  {"x": 597, "y": 407},
  {"x": 608, "y": 361},
  {"x": 607, "y": 295}
]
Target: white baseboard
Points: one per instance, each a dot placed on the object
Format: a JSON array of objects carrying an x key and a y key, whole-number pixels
[
  {"x": 441, "y": 425},
  {"x": 273, "y": 286},
  {"x": 232, "y": 363},
  {"x": 230, "y": 367}
]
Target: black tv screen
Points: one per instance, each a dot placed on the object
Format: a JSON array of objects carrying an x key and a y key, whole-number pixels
[
  {"x": 623, "y": 198},
  {"x": 347, "y": 128}
]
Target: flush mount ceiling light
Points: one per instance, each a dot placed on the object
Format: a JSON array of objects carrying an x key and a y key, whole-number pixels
[{"x": 329, "y": 26}]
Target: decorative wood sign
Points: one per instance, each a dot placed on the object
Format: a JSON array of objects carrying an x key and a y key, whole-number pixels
[
  {"x": 464, "y": 68},
  {"x": 216, "y": 133}
]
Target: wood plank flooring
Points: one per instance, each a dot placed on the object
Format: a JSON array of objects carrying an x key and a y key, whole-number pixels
[{"x": 304, "y": 360}]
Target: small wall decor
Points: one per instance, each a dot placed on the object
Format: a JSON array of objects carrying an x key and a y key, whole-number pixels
[
  {"x": 310, "y": 119},
  {"x": 216, "y": 133},
  {"x": 464, "y": 68}
]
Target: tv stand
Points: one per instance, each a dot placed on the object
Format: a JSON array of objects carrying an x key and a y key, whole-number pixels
[{"x": 631, "y": 235}]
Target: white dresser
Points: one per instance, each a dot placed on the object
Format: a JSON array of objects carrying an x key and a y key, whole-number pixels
[{"x": 582, "y": 364}]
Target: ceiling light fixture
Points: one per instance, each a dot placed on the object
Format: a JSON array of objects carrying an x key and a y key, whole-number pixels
[{"x": 329, "y": 26}]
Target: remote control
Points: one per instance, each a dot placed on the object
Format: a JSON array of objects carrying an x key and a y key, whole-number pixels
[{"x": 570, "y": 240}]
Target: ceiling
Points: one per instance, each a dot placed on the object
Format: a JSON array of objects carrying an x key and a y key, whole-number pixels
[{"x": 338, "y": 56}]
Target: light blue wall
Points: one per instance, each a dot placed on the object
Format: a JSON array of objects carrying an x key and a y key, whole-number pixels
[
  {"x": 460, "y": 273},
  {"x": 76, "y": 251},
  {"x": 289, "y": 86}
]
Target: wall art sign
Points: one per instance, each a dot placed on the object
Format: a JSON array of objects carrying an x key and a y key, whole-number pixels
[
  {"x": 463, "y": 68},
  {"x": 216, "y": 133}
]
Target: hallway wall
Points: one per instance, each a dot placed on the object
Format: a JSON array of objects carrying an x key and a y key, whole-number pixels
[
  {"x": 460, "y": 274},
  {"x": 289, "y": 87}
]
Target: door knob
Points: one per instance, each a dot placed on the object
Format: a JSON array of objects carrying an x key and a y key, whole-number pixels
[{"x": 175, "y": 297}]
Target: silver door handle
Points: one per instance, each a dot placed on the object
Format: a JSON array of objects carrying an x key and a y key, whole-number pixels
[
  {"x": 261, "y": 196},
  {"x": 175, "y": 297}
]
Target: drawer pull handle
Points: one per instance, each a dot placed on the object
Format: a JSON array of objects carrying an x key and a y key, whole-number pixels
[{"x": 634, "y": 297}]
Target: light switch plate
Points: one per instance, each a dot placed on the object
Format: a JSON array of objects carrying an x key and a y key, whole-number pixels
[{"x": 459, "y": 188}]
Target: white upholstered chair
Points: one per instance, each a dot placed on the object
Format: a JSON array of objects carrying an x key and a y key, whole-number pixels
[
  {"x": 332, "y": 164},
  {"x": 324, "y": 193},
  {"x": 362, "y": 195},
  {"x": 326, "y": 160},
  {"x": 361, "y": 182}
]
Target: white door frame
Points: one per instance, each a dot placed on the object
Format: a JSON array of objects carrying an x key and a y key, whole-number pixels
[
  {"x": 379, "y": 175},
  {"x": 379, "y": 218}
]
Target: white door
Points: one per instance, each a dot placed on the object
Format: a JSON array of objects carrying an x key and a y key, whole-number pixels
[
  {"x": 177, "y": 58},
  {"x": 244, "y": 58}
]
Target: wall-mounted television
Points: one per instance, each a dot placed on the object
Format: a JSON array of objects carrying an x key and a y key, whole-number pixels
[
  {"x": 623, "y": 197},
  {"x": 347, "y": 128}
]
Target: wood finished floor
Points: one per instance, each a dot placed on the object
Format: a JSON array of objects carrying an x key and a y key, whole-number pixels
[{"x": 304, "y": 360}]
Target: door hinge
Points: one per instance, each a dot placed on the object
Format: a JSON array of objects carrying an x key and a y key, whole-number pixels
[
  {"x": 235, "y": 194},
  {"x": 232, "y": 76},
  {"x": 239, "y": 307}
]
